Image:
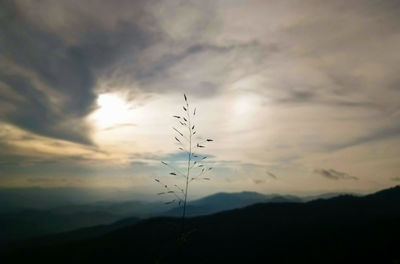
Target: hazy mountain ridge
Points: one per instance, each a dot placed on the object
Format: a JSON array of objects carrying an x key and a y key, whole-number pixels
[
  {"x": 345, "y": 229},
  {"x": 27, "y": 223},
  {"x": 30, "y": 223},
  {"x": 227, "y": 201}
]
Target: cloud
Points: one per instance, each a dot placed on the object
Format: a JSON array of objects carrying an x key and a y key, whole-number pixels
[
  {"x": 195, "y": 47},
  {"x": 53, "y": 181},
  {"x": 20, "y": 149},
  {"x": 56, "y": 78},
  {"x": 386, "y": 132},
  {"x": 395, "y": 178},
  {"x": 261, "y": 181},
  {"x": 321, "y": 78},
  {"x": 195, "y": 68},
  {"x": 119, "y": 126},
  {"x": 334, "y": 174},
  {"x": 270, "y": 174},
  {"x": 258, "y": 181}
]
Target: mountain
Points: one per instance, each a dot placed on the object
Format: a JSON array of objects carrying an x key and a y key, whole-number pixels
[
  {"x": 31, "y": 223},
  {"x": 344, "y": 229},
  {"x": 27, "y": 223},
  {"x": 226, "y": 201},
  {"x": 120, "y": 209},
  {"x": 326, "y": 196},
  {"x": 15, "y": 199},
  {"x": 64, "y": 237}
]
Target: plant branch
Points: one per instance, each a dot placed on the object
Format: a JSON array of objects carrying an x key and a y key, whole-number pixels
[{"x": 176, "y": 170}]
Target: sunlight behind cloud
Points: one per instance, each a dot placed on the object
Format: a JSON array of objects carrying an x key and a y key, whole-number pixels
[
  {"x": 113, "y": 110},
  {"x": 244, "y": 108},
  {"x": 243, "y": 105},
  {"x": 288, "y": 88}
]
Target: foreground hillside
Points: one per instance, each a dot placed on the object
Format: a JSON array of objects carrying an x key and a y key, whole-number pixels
[{"x": 344, "y": 229}]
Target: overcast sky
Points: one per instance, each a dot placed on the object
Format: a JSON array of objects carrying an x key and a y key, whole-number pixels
[{"x": 299, "y": 96}]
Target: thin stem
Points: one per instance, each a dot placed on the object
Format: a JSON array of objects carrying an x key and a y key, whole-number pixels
[{"x": 188, "y": 168}]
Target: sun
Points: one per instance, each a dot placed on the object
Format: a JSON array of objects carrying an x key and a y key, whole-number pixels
[
  {"x": 244, "y": 105},
  {"x": 112, "y": 110}
]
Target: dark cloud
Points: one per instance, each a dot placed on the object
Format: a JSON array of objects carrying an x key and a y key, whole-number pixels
[
  {"x": 161, "y": 65},
  {"x": 10, "y": 161},
  {"x": 383, "y": 133},
  {"x": 334, "y": 174},
  {"x": 66, "y": 74},
  {"x": 169, "y": 69},
  {"x": 270, "y": 174},
  {"x": 261, "y": 181},
  {"x": 258, "y": 181}
]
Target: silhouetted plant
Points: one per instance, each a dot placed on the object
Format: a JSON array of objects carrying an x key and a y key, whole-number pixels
[{"x": 196, "y": 169}]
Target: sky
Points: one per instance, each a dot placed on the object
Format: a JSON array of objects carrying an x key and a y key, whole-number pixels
[{"x": 298, "y": 96}]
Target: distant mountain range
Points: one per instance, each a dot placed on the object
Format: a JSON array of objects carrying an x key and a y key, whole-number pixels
[
  {"x": 27, "y": 223},
  {"x": 343, "y": 229},
  {"x": 227, "y": 201}
]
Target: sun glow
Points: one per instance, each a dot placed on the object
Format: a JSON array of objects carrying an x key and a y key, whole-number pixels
[
  {"x": 244, "y": 105},
  {"x": 244, "y": 108},
  {"x": 113, "y": 110}
]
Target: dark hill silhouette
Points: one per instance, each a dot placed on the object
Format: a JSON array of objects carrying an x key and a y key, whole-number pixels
[{"x": 345, "y": 229}]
